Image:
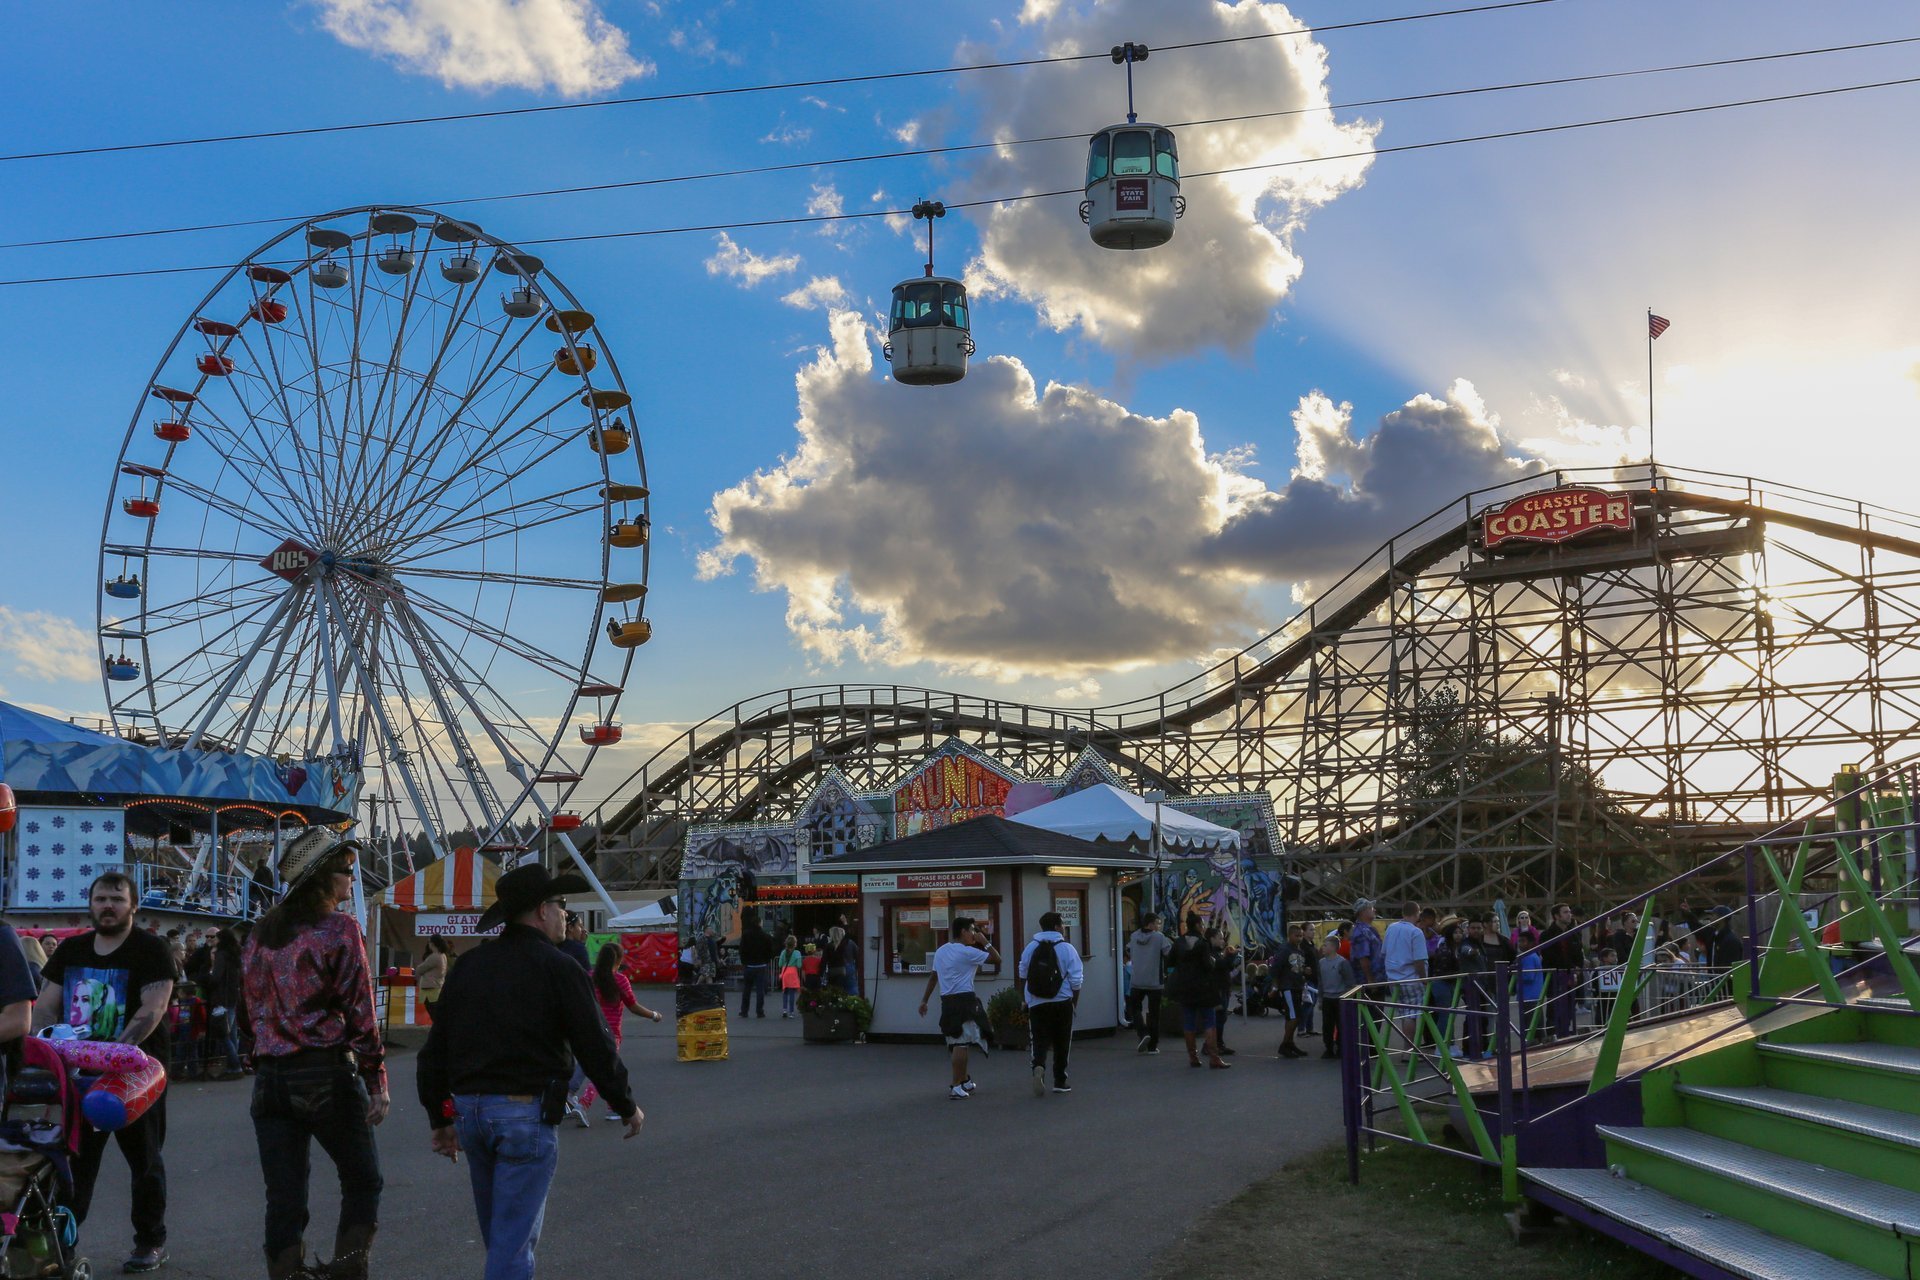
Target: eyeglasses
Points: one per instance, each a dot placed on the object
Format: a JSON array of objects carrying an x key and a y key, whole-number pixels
[{"x": 555, "y": 902}]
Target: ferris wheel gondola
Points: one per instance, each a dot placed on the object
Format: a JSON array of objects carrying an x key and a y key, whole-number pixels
[
  {"x": 382, "y": 539},
  {"x": 927, "y": 327},
  {"x": 1133, "y": 176}
]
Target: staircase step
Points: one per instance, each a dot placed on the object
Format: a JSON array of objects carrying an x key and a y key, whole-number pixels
[
  {"x": 1875, "y": 1204},
  {"x": 1866, "y": 1054},
  {"x": 1896, "y": 1127},
  {"x": 1727, "y": 1243}
]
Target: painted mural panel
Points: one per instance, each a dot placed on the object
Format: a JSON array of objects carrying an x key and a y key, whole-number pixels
[
  {"x": 1089, "y": 770},
  {"x": 763, "y": 850},
  {"x": 59, "y": 852},
  {"x": 953, "y": 784},
  {"x": 836, "y": 820}
]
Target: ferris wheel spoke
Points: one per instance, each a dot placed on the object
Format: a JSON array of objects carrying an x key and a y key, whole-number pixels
[
  {"x": 278, "y": 392},
  {"x": 228, "y": 506},
  {"x": 188, "y": 553},
  {"x": 525, "y": 650},
  {"x": 505, "y": 578},
  {"x": 552, "y": 506},
  {"x": 219, "y": 600},
  {"x": 184, "y": 679},
  {"x": 239, "y": 669},
  {"x": 397, "y": 754},
  {"x": 415, "y": 414},
  {"x": 370, "y": 419},
  {"x": 257, "y": 702},
  {"x": 411, "y": 532},
  {"x": 241, "y": 446},
  {"x": 464, "y": 754},
  {"x": 428, "y": 492}
]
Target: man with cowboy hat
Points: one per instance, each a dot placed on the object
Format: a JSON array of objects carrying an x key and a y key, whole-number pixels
[{"x": 493, "y": 1075}]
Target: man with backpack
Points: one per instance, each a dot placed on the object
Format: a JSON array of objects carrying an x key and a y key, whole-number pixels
[{"x": 1051, "y": 975}]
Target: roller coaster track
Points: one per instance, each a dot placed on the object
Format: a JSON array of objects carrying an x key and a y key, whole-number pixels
[{"x": 1223, "y": 731}]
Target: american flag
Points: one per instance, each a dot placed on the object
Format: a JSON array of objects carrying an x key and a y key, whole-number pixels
[{"x": 1657, "y": 325}]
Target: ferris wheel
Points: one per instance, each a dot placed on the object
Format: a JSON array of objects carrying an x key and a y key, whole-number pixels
[{"x": 383, "y": 503}]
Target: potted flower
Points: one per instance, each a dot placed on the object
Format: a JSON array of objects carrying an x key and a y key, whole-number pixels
[
  {"x": 829, "y": 1015},
  {"x": 1007, "y": 1011}
]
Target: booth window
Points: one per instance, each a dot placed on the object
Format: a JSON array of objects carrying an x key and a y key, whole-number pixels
[{"x": 916, "y": 928}]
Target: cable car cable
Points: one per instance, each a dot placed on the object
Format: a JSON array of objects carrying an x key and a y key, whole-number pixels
[
  {"x": 961, "y": 147},
  {"x": 818, "y": 218},
  {"x": 736, "y": 90}
]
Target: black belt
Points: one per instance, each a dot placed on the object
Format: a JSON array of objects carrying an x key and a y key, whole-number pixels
[{"x": 333, "y": 1055}]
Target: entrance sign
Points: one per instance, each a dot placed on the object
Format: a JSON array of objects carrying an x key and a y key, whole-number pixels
[
  {"x": 451, "y": 924},
  {"x": 923, "y": 881},
  {"x": 1556, "y": 515}
]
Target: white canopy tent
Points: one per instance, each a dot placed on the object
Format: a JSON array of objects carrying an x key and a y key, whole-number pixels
[
  {"x": 653, "y": 915},
  {"x": 1106, "y": 812}
]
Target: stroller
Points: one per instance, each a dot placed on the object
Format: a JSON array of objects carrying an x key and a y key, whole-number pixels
[{"x": 39, "y": 1136}]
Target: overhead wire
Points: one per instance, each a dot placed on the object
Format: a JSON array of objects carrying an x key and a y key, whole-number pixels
[
  {"x": 741, "y": 90},
  {"x": 983, "y": 202},
  {"x": 963, "y": 147}
]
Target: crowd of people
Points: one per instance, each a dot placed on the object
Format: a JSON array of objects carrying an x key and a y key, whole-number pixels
[{"x": 825, "y": 957}]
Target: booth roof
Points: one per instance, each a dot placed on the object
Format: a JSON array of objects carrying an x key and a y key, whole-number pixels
[
  {"x": 984, "y": 841},
  {"x": 1105, "y": 812},
  {"x": 461, "y": 881}
]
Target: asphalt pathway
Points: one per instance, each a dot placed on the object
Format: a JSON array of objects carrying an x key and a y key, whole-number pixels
[{"x": 798, "y": 1160}]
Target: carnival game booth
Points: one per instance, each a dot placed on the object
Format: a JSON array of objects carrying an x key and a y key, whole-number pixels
[
  {"x": 189, "y": 827},
  {"x": 443, "y": 899},
  {"x": 1004, "y": 873},
  {"x": 649, "y": 936}
]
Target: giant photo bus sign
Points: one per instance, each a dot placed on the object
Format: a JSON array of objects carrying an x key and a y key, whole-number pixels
[{"x": 1556, "y": 515}]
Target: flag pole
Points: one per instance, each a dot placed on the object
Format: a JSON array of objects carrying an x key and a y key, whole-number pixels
[{"x": 1653, "y": 472}]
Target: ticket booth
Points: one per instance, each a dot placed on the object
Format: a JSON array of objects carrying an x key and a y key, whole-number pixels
[{"x": 1005, "y": 875}]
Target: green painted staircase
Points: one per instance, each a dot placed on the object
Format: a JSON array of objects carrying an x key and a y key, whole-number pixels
[{"x": 1792, "y": 1156}]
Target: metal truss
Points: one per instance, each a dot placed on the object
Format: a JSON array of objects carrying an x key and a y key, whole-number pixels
[{"x": 1443, "y": 723}]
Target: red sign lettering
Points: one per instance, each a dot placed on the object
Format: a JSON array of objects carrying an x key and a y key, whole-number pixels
[
  {"x": 1556, "y": 515},
  {"x": 290, "y": 560}
]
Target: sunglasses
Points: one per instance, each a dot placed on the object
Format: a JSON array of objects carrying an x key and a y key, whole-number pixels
[{"x": 555, "y": 902}]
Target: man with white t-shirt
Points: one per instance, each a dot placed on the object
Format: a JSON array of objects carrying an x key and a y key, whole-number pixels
[
  {"x": 1404, "y": 953},
  {"x": 963, "y": 1019}
]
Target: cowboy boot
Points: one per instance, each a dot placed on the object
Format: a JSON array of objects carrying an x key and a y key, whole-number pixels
[
  {"x": 1214, "y": 1059},
  {"x": 1193, "y": 1050},
  {"x": 351, "y": 1246},
  {"x": 289, "y": 1264}
]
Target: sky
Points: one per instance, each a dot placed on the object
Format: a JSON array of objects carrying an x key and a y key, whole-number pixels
[{"x": 1155, "y": 455}]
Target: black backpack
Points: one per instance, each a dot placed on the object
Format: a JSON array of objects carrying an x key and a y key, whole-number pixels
[{"x": 1044, "y": 975}]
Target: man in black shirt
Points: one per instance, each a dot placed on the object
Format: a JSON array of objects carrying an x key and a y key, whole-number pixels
[
  {"x": 756, "y": 953},
  {"x": 114, "y": 983},
  {"x": 493, "y": 1075}
]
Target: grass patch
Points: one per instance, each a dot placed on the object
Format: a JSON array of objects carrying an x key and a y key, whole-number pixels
[{"x": 1440, "y": 1215}]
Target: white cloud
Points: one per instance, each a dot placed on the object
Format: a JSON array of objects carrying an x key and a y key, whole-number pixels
[
  {"x": 813, "y": 101},
  {"x": 1080, "y": 691},
  {"x": 1232, "y": 258},
  {"x": 47, "y": 646},
  {"x": 821, "y": 291},
  {"x": 564, "y": 45},
  {"x": 746, "y": 266},
  {"x": 786, "y": 134},
  {"x": 827, "y": 202},
  {"x": 908, "y": 133},
  {"x": 1001, "y": 529}
]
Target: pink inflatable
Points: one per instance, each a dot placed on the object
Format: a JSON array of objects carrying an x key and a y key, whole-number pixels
[
  {"x": 120, "y": 1099},
  {"x": 105, "y": 1056}
]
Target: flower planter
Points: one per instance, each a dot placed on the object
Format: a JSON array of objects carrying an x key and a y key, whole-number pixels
[
  {"x": 1010, "y": 1037},
  {"x": 828, "y": 1026}
]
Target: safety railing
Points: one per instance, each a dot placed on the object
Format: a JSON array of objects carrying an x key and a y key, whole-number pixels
[
  {"x": 160, "y": 888},
  {"x": 1516, "y": 1044}
]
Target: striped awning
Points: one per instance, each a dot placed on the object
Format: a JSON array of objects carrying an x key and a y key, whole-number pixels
[{"x": 461, "y": 881}]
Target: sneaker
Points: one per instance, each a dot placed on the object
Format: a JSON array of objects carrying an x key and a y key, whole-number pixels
[
  {"x": 612, "y": 1116},
  {"x": 1142, "y": 1046},
  {"x": 1039, "y": 1081},
  {"x": 579, "y": 1113},
  {"x": 968, "y": 1084},
  {"x": 1063, "y": 1087},
  {"x": 958, "y": 1094},
  {"x": 149, "y": 1259},
  {"x": 1155, "y": 1049}
]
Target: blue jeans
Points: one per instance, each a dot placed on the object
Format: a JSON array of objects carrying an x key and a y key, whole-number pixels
[
  {"x": 753, "y": 985},
  {"x": 511, "y": 1158}
]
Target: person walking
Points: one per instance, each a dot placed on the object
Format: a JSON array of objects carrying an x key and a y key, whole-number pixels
[
  {"x": 1051, "y": 974},
  {"x": 963, "y": 1019},
  {"x": 756, "y": 953},
  {"x": 1147, "y": 949},
  {"x": 615, "y": 994},
  {"x": 1336, "y": 979},
  {"x": 226, "y": 996},
  {"x": 1226, "y": 969},
  {"x": 431, "y": 976},
  {"x": 319, "y": 1066},
  {"x": 493, "y": 1073},
  {"x": 1192, "y": 989},
  {"x": 114, "y": 982},
  {"x": 788, "y": 966},
  {"x": 1294, "y": 966},
  {"x": 1565, "y": 957},
  {"x": 574, "y": 944}
]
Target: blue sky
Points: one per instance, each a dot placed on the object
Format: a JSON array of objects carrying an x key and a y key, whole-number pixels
[{"x": 1777, "y": 238}]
